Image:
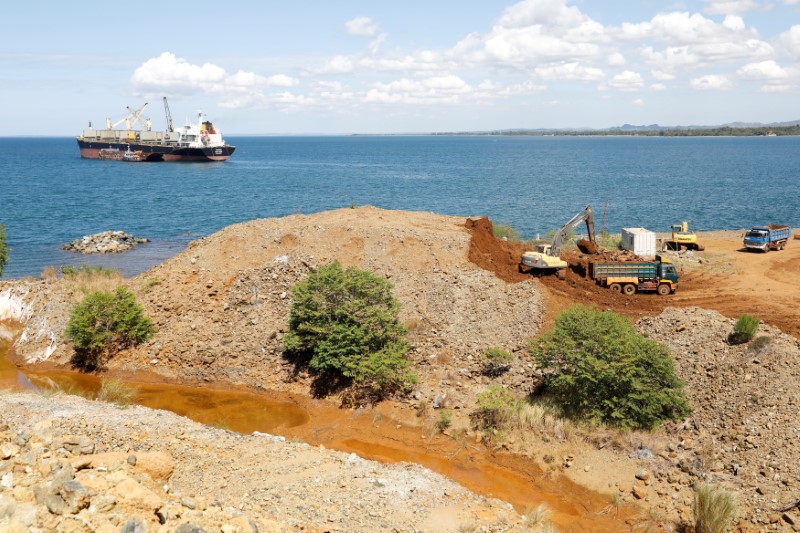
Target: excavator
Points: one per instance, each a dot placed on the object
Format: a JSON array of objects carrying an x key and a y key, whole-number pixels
[{"x": 546, "y": 258}]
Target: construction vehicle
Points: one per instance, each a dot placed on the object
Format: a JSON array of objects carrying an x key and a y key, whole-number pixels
[
  {"x": 629, "y": 277},
  {"x": 682, "y": 238},
  {"x": 766, "y": 238},
  {"x": 546, "y": 258}
]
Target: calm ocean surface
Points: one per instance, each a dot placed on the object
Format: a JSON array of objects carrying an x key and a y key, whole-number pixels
[{"x": 50, "y": 196}]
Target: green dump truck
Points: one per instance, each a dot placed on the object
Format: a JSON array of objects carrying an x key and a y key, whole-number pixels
[{"x": 630, "y": 277}]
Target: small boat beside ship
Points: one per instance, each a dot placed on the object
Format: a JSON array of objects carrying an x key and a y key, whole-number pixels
[{"x": 200, "y": 141}]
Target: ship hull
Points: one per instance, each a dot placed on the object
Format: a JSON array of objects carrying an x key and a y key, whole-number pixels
[{"x": 156, "y": 152}]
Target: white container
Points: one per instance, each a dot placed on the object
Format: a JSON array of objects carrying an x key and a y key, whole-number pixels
[{"x": 640, "y": 241}]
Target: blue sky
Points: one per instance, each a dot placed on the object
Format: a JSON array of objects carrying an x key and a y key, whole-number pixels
[{"x": 398, "y": 67}]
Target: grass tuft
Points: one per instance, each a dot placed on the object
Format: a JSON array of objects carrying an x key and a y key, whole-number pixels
[
  {"x": 714, "y": 508},
  {"x": 115, "y": 391}
]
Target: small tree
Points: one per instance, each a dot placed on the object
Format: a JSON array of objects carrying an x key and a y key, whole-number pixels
[
  {"x": 494, "y": 407},
  {"x": 105, "y": 322},
  {"x": 600, "y": 367},
  {"x": 744, "y": 329},
  {"x": 3, "y": 248},
  {"x": 344, "y": 325}
]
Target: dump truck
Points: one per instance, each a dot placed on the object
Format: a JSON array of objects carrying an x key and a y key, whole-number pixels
[
  {"x": 545, "y": 259},
  {"x": 630, "y": 277},
  {"x": 682, "y": 238},
  {"x": 766, "y": 238}
]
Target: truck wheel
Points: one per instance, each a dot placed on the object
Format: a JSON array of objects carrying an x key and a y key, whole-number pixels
[
  {"x": 616, "y": 287},
  {"x": 629, "y": 289},
  {"x": 664, "y": 289}
]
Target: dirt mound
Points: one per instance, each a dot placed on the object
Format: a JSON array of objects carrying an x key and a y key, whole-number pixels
[{"x": 495, "y": 255}]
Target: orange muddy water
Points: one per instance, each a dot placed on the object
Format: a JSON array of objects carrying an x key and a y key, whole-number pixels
[{"x": 516, "y": 480}]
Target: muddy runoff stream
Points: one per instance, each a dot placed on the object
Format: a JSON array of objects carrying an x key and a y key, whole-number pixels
[{"x": 373, "y": 434}]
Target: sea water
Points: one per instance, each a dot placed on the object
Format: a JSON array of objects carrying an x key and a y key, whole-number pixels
[{"x": 50, "y": 196}]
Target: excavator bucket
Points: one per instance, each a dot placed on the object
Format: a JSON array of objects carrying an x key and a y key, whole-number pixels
[{"x": 586, "y": 246}]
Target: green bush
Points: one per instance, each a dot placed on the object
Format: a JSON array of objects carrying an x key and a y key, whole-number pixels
[
  {"x": 495, "y": 361},
  {"x": 494, "y": 407},
  {"x": 601, "y": 368},
  {"x": 744, "y": 329},
  {"x": 506, "y": 231},
  {"x": 714, "y": 509},
  {"x": 3, "y": 248},
  {"x": 105, "y": 322},
  {"x": 344, "y": 325}
]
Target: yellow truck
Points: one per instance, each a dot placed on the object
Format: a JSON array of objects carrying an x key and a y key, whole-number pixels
[{"x": 682, "y": 238}]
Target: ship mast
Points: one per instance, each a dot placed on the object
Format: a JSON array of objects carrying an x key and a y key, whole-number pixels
[{"x": 170, "y": 127}]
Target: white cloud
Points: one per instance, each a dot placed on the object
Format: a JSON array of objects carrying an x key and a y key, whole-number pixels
[
  {"x": 711, "y": 82},
  {"x": 790, "y": 40},
  {"x": 765, "y": 70},
  {"x": 776, "y": 88},
  {"x": 569, "y": 71},
  {"x": 167, "y": 73},
  {"x": 726, "y": 7},
  {"x": 337, "y": 65},
  {"x": 616, "y": 59},
  {"x": 362, "y": 27},
  {"x": 627, "y": 81},
  {"x": 658, "y": 87},
  {"x": 638, "y": 102},
  {"x": 661, "y": 75},
  {"x": 282, "y": 80}
]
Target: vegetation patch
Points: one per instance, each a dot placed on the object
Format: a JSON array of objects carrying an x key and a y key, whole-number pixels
[
  {"x": 495, "y": 361},
  {"x": 506, "y": 232},
  {"x": 106, "y": 322},
  {"x": 744, "y": 329},
  {"x": 343, "y": 324},
  {"x": 3, "y": 248},
  {"x": 597, "y": 366},
  {"x": 495, "y": 405}
]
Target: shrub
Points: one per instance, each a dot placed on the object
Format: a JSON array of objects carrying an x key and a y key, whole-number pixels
[
  {"x": 714, "y": 508},
  {"x": 494, "y": 407},
  {"x": 506, "y": 232},
  {"x": 3, "y": 248},
  {"x": 344, "y": 325},
  {"x": 744, "y": 329},
  {"x": 105, "y": 322},
  {"x": 445, "y": 420},
  {"x": 495, "y": 361},
  {"x": 599, "y": 367}
]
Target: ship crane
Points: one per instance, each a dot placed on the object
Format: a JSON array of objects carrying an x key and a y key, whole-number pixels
[
  {"x": 170, "y": 127},
  {"x": 131, "y": 119}
]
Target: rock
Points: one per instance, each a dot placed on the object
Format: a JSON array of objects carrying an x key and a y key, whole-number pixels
[
  {"x": 8, "y": 450},
  {"x": 132, "y": 493},
  {"x": 639, "y": 492},
  {"x": 104, "y": 243},
  {"x": 7, "y": 507},
  {"x": 133, "y": 525}
]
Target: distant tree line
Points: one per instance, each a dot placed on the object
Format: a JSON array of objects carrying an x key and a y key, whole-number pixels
[{"x": 721, "y": 131}]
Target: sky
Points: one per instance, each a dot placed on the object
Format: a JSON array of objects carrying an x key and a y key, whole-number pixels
[{"x": 353, "y": 66}]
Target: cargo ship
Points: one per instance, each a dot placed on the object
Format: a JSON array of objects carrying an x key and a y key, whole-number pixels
[{"x": 200, "y": 141}]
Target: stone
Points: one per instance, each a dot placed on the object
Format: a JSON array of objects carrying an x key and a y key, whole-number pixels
[
  {"x": 7, "y": 507},
  {"x": 8, "y": 450},
  {"x": 639, "y": 492},
  {"x": 133, "y": 525},
  {"x": 132, "y": 493}
]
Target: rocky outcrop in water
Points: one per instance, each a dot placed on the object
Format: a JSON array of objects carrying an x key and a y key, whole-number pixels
[{"x": 107, "y": 242}]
